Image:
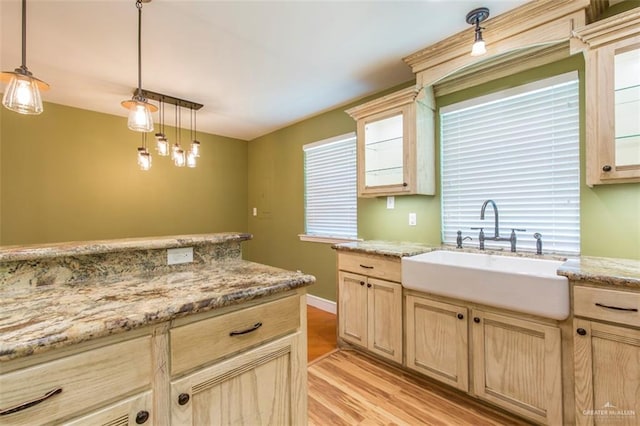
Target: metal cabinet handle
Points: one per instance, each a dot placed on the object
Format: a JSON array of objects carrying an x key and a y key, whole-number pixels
[
  {"x": 460, "y": 316},
  {"x": 368, "y": 285},
  {"x": 29, "y": 404},
  {"x": 254, "y": 327},
  {"x": 581, "y": 331},
  {"x": 142, "y": 417},
  {"x": 617, "y": 308},
  {"x": 366, "y": 267},
  {"x": 606, "y": 168},
  {"x": 361, "y": 282},
  {"x": 476, "y": 320}
]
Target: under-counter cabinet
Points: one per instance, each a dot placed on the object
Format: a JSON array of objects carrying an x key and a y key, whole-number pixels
[
  {"x": 98, "y": 382},
  {"x": 264, "y": 385},
  {"x": 612, "y": 75},
  {"x": 512, "y": 362},
  {"x": 606, "y": 356},
  {"x": 370, "y": 308},
  {"x": 395, "y": 139}
]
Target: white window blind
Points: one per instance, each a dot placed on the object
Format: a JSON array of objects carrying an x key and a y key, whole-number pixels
[
  {"x": 330, "y": 188},
  {"x": 520, "y": 148}
]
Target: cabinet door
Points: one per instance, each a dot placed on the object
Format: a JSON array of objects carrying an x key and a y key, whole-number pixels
[
  {"x": 352, "y": 314},
  {"x": 436, "y": 340},
  {"x": 382, "y": 152},
  {"x": 384, "y": 312},
  {"x": 517, "y": 365},
  {"x": 264, "y": 386},
  {"x": 607, "y": 374},
  {"x": 136, "y": 410}
]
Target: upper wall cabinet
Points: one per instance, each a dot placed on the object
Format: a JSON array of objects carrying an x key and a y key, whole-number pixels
[
  {"x": 612, "y": 74},
  {"x": 395, "y": 136}
]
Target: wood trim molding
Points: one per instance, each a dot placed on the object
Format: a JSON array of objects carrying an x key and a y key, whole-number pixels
[
  {"x": 393, "y": 100},
  {"x": 610, "y": 30},
  {"x": 534, "y": 23},
  {"x": 502, "y": 66}
]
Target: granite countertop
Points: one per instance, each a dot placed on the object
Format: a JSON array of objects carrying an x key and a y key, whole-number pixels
[
  {"x": 603, "y": 270},
  {"x": 39, "y": 319},
  {"x": 77, "y": 248},
  {"x": 385, "y": 248}
]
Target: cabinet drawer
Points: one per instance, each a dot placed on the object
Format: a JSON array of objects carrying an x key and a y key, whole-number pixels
[
  {"x": 205, "y": 341},
  {"x": 373, "y": 266},
  {"x": 609, "y": 305},
  {"x": 87, "y": 379}
]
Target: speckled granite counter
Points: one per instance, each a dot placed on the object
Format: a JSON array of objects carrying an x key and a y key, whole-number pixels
[
  {"x": 603, "y": 270},
  {"x": 37, "y": 315},
  {"x": 385, "y": 248}
]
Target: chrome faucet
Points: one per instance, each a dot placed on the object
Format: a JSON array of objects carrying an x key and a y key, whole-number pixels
[{"x": 496, "y": 233}]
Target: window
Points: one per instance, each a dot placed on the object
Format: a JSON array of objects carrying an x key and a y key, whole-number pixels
[
  {"x": 330, "y": 198},
  {"x": 520, "y": 148}
]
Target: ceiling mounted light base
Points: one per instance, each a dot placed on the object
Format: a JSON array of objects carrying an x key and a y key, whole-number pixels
[
  {"x": 479, "y": 14},
  {"x": 474, "y": 18}
]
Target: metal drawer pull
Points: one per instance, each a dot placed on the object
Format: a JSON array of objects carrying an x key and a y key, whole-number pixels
[
  {"x": 617, "y": 308},
  {"x": 248, "y": 330},
  {"x": 30, "y": 403},
  {"x": 366, "y": 267}
]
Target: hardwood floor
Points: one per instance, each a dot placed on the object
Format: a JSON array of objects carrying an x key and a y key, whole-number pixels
[
  {"x": 321, "y": 333},
  {"x": 348, "y": 388}
]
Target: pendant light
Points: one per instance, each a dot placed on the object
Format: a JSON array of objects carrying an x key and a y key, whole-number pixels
[
  {"x": 144, "y": 157},
  {"x": 474, "y": 18},
  {"x": 140, "y": 110},
  {"x": 22, "y": 95},
  {"x": 162, "y": 144}
]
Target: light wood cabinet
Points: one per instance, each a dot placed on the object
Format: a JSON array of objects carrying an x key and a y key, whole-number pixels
[
  {"x": 73, "y": 384},
  {"x": 437, "y": 340},
  {"x": 131, "y": 411},
  {"x": 517, "y": 365},
  {"x": 262, "y": 386},
  {"x": 612, "y": 74},
  {"x": 395, "y": 139},
  {"x": 511, "y": 362},
  {"x": 606, "y": 356},
  {"x": 370, "y": 314}
]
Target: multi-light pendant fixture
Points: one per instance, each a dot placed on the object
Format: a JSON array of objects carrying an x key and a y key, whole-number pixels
[
  {"x": 22, "y": 95},
  {"x": 474, "y": 18},
  {"x": 141, "y": 120}
]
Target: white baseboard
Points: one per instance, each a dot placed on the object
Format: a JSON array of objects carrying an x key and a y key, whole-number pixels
[{"x": 320, "y": 303}]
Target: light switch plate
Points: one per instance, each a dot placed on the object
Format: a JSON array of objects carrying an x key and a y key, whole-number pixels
[
  {"x": 412, "y": 219},
  {"x": 391, "y": 202},
  {"x": 176, "y": 256}
]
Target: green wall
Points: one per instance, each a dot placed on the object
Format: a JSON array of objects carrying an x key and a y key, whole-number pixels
[
  {"x": 610, "y": 214},
  {"x": 71, "y": 174}
]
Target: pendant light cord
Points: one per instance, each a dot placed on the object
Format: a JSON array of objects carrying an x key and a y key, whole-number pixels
[
  {"x": 139, "y": 6},
  {"x": 24, "y": 35}
]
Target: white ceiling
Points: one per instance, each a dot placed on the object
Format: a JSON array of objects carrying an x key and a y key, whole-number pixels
[{"x": 256, "y": 65}]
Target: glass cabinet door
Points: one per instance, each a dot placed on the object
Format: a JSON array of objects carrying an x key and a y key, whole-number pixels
[
  {"x": 627, "y": 107},
  {"x": 383, "y": 150}
]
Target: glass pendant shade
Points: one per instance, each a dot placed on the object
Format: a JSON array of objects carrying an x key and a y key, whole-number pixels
[
  {"x": 144, "y": 159},
  {"x": 179, "y": 158},
  {"x": 191, "y": 159},
  {"x": 140, "y": 119},
  {"x": 478, "y": 48},
  {"x": 195, "y": 148},
  {"x": 162, "y": 146},
  {"x": 22, "y": 95}
]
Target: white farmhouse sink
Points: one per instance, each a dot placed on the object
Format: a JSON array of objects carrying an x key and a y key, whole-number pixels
[{"x": 517, "y": 283}]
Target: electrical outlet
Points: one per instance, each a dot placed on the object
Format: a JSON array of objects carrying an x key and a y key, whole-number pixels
[
  {"x": 179, "y": 255},
  {"x": 412, "y": 219},
  {"x": 391, "y": 202}
]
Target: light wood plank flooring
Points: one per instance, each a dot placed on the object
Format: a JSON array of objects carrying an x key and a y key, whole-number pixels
[{"x": 321, "y": 332}]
